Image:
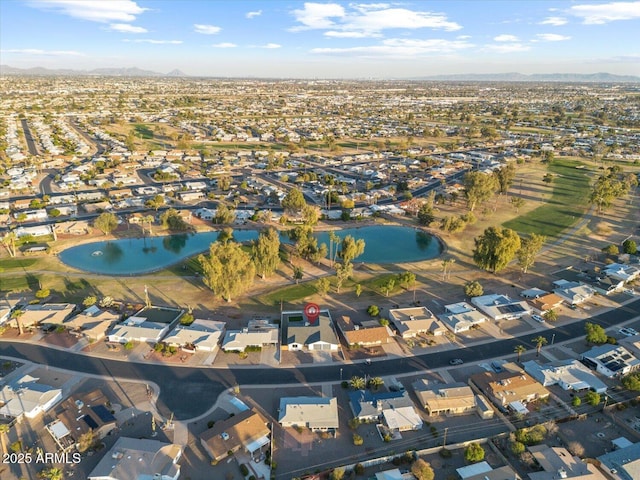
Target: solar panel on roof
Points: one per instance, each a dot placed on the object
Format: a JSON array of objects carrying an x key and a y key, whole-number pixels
[
  {"x": 90, "y": 421},
  {"x": 104, "y": 414}
]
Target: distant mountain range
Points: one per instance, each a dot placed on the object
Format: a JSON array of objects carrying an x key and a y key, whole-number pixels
[
  {"x": 107, "y": 72},
  {"x": 601, "y": 77}
]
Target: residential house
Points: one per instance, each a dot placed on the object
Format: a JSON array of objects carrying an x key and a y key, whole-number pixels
[
  {"x": 509, "y": 388},
  {"x": 93, "y": 323},
  {"x": 78, "y": 415},
  {"x": 304, "y": 334},
  {"x": 546, "y": 302},
  {"x": 574, "y": 293},
  {"x": 149, "y": 324},
  {"x": 410, "y": 322},
  {"x": 501, "y": 307},
  {"x": 27, "y": 397},
  {"x": 611, "y": 360},
  {"x": 483, "y": 471},
  {"x": 201, "y": 335},
  {"x": 624, "y": 273},
  {"x": 568, "y": 374},
  {"x": 46, "y": 314},
  {"x": 258, "y": 333},
  {"x": 247, "y": 431},
  {"x": 460, "y": 317},
  {"x": 315, "y": 413},
  {"x": 557, "y": 462},
  {"x": 368, "y": 406},
  {"x": 139, "y": 458},
  {"x": 365, "y": 334},
  {"x": 449, "y": 399},
  {"x": 622, "y": 464}
]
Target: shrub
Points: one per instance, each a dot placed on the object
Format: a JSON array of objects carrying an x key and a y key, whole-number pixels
[
  {"x": 357, "y": 440},
  {"x": 373, "y": 310},
  {"x": 210, "y": 423},
  {"x": 359, "y": 469},
  {"x": 473, "y": 289},
  {"x": 344, "y": 384},
  {"x": 244, "y": 470},
  {"x": 128, "y": 346},
  {"x": 187, "y": 319},
  {"x": 387, "y": 438},
  {"x": 611, "y": 250},
  {"x": 474, "y": 453},
  {"x": 43, "y": 293},
  {"x": 629, "y": 246},
  {"x": 576, "y": 402},
  {"x": 444, "y": 453},
  {"x": 592, "y": 398},
  {"x": 517, "y": 448},
  {"x": 89, "y": 301}
]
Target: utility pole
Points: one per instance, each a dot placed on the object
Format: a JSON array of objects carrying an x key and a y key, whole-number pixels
[{"x": 444, "y": 440}]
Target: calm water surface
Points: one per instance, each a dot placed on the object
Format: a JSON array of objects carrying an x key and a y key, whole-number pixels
[{"x": 384, "y": 244}]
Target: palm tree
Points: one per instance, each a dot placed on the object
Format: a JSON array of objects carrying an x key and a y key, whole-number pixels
[
  {"x": 52, "y": 473},
  {"x": 17, "y": 314},
  {"x": 9, "y": 241},
  {"x": 375, "y": 383},
  {"x": 358, "y": 383},
  {"x": 520, "y": 349},
  {"x": 539, "y": 341},
  {"x": 4, "y": 429}
]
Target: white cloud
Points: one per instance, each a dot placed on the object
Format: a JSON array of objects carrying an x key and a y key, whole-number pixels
[
  {"x": 152, "y": 41},
  {"x": 345, "y": 34},
  {"x": 206, "y": 29},
  {"x": 606, "y": 12},
  {"x": 552, "y": 37},
  {"x": 224, "y": 45},
  {"x": 317, "y": 15},
  {"x": 49, "y": 53},
  {"x": 103, "y": 11},
  {"x": 555, "y": 21},
  {"x": 400, "y": 47},
  {"x": 508, "y": 47},
  {"x": 256, "y": 13},
  {"x": 463, "y": 37},
  {"x": 369, "y": 19},
  {"x": 270, "y": 45},
  {"x": 126, "y": 28},
  {"x": 505, "y": 38}
]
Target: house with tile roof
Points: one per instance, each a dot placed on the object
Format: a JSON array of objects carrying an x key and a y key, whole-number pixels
[{"x": 247, "y": 430}]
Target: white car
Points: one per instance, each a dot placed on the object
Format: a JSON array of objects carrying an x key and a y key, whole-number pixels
[
  {"x": 538, "y": 318},
  {"x": 628, "y": 332}
]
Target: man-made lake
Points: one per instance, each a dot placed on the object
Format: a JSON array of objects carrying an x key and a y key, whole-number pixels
[{"x": 383, "y": 244}]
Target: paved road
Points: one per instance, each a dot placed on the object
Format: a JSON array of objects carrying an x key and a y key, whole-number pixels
[{"x": 190, "y": 391}]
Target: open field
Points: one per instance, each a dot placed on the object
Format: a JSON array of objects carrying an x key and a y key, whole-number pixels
[{"x": 567, "y": 204}]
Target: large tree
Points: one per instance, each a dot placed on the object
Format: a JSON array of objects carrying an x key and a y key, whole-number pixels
[
  {"x": 224, "y": 215},
  {"x": 228, "y": 269},
  {"x": 595, "y": 333},
  {"x": 425, "y": 214},
  {"x": 351, "y": 248},
  {"x": 294, "y": 201},
  {"x": 422, "y": 470},
  {"x": 505, "y": 176},
  {"x": 605, "y": 190},
  {"x": 106, "y": 222},
  {"x": 479, "y": 187},
  {"x": 306, "y": 245},
  {"x": 529, "y": 249},
  {"x": 266, "y": 252},
  {"x": 495, "y": 248}
]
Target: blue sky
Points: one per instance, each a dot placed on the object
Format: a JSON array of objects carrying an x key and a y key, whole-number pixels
[{"x": 335, "y": 39}]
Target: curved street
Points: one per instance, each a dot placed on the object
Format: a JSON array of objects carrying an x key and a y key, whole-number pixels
[{"x": 189, "y": 391}]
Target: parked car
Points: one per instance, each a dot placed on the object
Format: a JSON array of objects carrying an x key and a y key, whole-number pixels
[
  {"x": 538, "y": 318},
  {"x": 456, "y": 361},
  {"x": 628, "y": 332}
]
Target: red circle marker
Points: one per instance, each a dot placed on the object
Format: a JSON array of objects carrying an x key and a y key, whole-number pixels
[{"x": 312, "y": 311}]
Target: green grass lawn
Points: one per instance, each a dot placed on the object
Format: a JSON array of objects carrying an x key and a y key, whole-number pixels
[
  {"x": 567, "y": 204},
  {"x": 143, "y": 131},
  {"x": 291, "y": 294}
]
